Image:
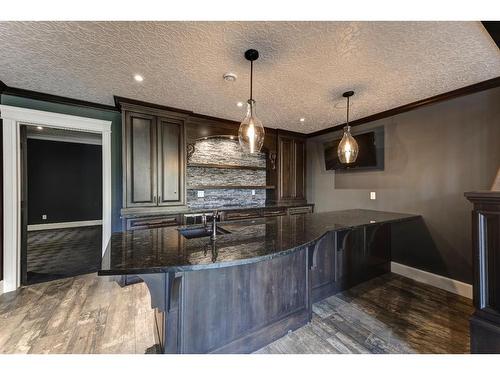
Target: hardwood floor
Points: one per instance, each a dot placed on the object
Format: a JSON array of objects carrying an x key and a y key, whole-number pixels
[
  {"x": 84, "y": 314},
  {"x": 390, "y": 314},
  {"x": 91, "y": 314}
]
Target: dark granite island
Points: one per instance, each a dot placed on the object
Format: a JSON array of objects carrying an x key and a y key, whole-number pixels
[{"x": 252, "y": 285}]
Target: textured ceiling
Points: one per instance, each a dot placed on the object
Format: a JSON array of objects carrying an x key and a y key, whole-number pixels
[{"x": 303, "y": 69}]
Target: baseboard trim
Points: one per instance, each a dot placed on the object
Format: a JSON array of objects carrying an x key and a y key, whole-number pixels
[
  {"x": 68, "y": 224},
  {"x": 450, "y": 285}
]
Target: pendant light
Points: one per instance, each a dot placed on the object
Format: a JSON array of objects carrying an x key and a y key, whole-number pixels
[
  {"x": 251, "y": 132},
  {"x": 348, "y": 147}
]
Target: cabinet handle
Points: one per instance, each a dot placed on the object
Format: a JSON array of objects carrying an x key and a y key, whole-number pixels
[{"x": 274, "y": 212}]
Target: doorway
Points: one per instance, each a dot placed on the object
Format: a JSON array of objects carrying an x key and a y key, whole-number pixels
[
  {"x": 61, "y": 203},
  {"x": 13, "y": 118}
]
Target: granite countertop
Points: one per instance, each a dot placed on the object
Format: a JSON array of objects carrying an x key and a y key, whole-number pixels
[
  {"x": 166, "y": 250},
  {"x": 186, "y": 210}
]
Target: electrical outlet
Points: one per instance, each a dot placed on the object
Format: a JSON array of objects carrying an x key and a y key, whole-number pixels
[
  {"x": 201, "y": 194},
  {"x": 44, "y": 217},
  {"x": 253, "y": 192},
  {"x": 373, "y": 195}
]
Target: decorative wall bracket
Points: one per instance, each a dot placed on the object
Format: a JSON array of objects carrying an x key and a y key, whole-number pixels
[{"x": 190, "y": 149}]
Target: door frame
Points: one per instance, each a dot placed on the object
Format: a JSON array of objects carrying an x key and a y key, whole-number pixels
[{"x": 13, "y": 118}]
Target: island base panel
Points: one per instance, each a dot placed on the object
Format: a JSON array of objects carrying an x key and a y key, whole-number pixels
[{"x": 254, "y": 305}]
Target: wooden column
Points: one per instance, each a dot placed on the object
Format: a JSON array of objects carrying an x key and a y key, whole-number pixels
[{"x": 485, "y": 322}]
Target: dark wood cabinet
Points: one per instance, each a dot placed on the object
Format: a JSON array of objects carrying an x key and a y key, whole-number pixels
[
  {"x": 323, "y": 272},
  {"x": 153, "y": 159},
  {"x": 485, "y": 322},
  {"x": 378, "y": 249},
  {"x": 140, "y": 150},
  {"x": 239, "y": 215},
  {"x": 349, "y": 257},
  {"x": 292, "y": 168},
  {"x": 152, "y": 222},
  {"x": 264, "y": 212},
  {"x": 170, "y": 161}
]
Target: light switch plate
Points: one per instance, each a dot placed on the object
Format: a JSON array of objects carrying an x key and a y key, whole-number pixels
[
  {"x": 44, "y": 217},
  {"x": 373, "y": 195},
  {"x": 201, "y": 194}
]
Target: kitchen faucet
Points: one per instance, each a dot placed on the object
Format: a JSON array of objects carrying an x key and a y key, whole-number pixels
[{"x": 214, "y": 225}]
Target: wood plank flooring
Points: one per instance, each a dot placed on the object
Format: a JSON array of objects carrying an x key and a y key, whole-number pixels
[
  {"x": 91, "y": 314},
  {"x": 390, "y": 314},
  {"x": 84, "y": 314}
]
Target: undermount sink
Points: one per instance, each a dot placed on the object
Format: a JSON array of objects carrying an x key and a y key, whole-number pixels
[{"x": 199, "y": 232}]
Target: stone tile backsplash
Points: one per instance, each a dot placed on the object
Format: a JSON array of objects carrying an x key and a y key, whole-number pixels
[
  {"x": 224, "y": 151},
  {"x": 216, "y": 198},
  {"x": 197, "y": 176}
]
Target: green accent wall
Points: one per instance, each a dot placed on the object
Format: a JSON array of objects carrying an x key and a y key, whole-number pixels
[{"x": 116, "y": 140}]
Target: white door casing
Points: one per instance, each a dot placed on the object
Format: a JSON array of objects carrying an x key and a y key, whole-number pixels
[{"x": 13, "y": 118}]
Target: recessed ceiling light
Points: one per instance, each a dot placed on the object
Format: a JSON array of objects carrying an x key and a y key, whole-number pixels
[
  {"x": 239, "y": 104},
  {"x": 138, "y": 78},
  {"x": 230, "y": 77},
  {"x": 39, "y": 128},
  {"x": 302, "y": 119}
]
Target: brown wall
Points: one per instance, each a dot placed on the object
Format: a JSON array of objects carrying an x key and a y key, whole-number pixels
[{"x": 432, "y": 156}]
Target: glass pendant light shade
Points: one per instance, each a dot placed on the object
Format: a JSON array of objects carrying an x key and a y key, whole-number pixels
[
  {"x": 251, "y": 132},
  {"x": 348, "y": 147}
]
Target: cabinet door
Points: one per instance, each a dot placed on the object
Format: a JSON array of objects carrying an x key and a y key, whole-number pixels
[
  {"x": 171, "y": 171},
  {"x": 486, "y": 234},
  {"x": 378, "y": 248},
  {"x": 300, "y": 169},
  {"x": 323, "y": 273},
  {"x": 351, "y": 258},
  {"x": 287, "y": 168},
  {"x": 292, "y": 161},
  {"x": 141, "y": 181}
]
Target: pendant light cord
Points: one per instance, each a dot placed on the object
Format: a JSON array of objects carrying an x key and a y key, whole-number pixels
[
  {"x": 251, "y": 79},
  {"x": 348, "y": 111}
]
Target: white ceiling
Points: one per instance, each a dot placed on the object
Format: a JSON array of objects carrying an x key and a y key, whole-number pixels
[{"x": 303, "y": 69}]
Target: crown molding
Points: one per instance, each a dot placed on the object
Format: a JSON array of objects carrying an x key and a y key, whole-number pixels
[
  {"x": 36, "y": 95},
  {"x": 477, "y": 87}
]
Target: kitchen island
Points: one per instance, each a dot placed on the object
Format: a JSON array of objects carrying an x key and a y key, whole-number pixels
[{"x": 256, "y": 281}]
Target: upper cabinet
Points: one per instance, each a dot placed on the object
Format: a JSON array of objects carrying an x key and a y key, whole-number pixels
[
  {"x": 171, "y": 170},
  {"x": 292, "y": 167},
  {"x": 140, "y": 160},
  {"x": 153, "y": 158}
]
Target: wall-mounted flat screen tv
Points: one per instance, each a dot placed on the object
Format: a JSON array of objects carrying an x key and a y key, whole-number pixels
[{"x": 370, "y": 156}]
